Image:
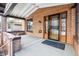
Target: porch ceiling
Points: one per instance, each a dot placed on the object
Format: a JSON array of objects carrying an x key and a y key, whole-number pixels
[{"x": 25, "y": 9}]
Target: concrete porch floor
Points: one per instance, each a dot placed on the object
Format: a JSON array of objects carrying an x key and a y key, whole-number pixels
[{"x": 32, "y": 46}]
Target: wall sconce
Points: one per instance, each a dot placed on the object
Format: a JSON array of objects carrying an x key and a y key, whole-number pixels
[
  {"x": 39, "y": 21},
  {"x": 40, "y": 31}
]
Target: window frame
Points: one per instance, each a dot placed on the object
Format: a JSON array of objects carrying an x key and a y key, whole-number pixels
[
  {"x": 16, "y": 23},
  {"x": 28, "y": 26},
  {"x": 63, "y": 30}
]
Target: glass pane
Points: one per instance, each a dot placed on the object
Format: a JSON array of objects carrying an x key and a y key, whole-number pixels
[
  {"x": 54, "y": 27},
  {"x": 55, "y": 23},
  {"x": 30, "y": 23},
  {"x": 46, "y": 26},
  {"x": 15, "y": 24},
  {"x": 63, "y": 20}
]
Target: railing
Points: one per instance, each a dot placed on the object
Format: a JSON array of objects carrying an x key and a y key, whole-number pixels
[
  {"x": 2, "y": 48},
  {"x": 10, "y": 45},
  {"x": 7, "y": 47}
]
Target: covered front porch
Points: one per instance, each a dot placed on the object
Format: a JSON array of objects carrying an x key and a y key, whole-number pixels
[
  {"x": 41, "y": 30},
  {"x": 33, "y": 46}
]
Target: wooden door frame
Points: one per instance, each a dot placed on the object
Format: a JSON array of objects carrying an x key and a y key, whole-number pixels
[
  {"x": 59, "y": 25},
  {"x": 65, "y": 23}
]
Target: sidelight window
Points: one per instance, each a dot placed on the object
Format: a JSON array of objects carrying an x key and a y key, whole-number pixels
[{"x": 63, "y": 20}]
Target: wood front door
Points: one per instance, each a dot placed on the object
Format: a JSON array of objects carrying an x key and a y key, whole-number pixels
[
  {"x": 57, "y": 27},
  {"x": 54, "y": 27}
]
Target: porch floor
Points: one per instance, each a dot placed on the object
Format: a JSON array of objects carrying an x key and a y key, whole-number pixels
[{"x": 32, "y": 46}]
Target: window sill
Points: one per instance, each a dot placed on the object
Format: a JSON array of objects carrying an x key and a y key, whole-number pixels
[
  {"x": 30, "y": 31},
  {"x": 16, "y": 31}
]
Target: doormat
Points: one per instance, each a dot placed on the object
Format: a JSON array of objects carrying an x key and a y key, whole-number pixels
[{"x": 54, "y": 44}]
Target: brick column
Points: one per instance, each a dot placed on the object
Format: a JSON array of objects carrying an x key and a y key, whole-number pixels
[
  {"x": 3, "y": 25},
  {"x": 4, "y": 21},
  {"x": 76, "y": 41},
  {"x": 77, "y": 22}
]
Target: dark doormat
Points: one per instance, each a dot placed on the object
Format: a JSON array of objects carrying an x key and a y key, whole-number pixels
[{"x": 54, "y": 44}]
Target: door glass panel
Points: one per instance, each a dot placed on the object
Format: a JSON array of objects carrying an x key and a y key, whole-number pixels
[
  {"x": 63, "y": 20},
  {"x": 54, "y": 27},
  {"x": 46, "y": 25}
]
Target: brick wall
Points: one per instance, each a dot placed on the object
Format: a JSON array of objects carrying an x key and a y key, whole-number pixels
[
  {"x": 39, "y": 16},
  {"x": 76, "y": 40}
]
